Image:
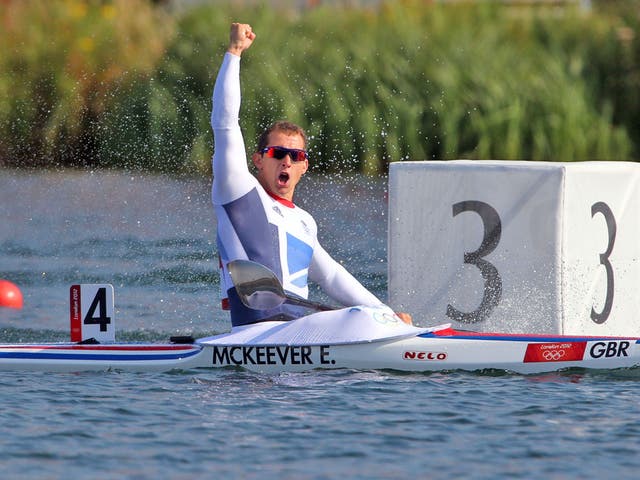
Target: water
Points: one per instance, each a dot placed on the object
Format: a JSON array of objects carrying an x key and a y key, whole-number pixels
[{"x": 152, "y": 237}]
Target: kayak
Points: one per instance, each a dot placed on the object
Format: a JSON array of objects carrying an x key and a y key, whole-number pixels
[
  {"x": 440, "y": 349},
  {"x": 348, "y": 338}
]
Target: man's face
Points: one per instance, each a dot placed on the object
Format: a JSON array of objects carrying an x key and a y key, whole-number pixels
[{"x": 280, "y": 177}]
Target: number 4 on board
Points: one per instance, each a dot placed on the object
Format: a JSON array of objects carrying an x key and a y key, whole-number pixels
[
  {"x": 91, "y": 312},
  {"x": 99, "y": 303}
]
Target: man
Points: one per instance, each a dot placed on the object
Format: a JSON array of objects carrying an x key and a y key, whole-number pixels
[{"x": 257, "y": 219}]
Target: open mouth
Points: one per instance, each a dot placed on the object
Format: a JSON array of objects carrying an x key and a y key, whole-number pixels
[{"x": 283, "y": 178}]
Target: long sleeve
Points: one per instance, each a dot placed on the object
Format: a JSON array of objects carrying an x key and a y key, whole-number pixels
[
  {"x": 231, "y": 176},
  {"x": 337, "y": 282}
]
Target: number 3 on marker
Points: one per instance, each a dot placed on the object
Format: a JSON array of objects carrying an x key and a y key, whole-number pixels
[
  {"x": 492, "y": 281},
  {"x": 603, "y": 208}
]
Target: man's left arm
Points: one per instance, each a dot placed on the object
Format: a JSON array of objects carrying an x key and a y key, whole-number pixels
[
  {"x": 340, "y": 285},
  {"x": 337, "y": 282}
]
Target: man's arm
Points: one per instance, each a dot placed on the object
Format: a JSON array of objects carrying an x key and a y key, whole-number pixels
[
  {"x": 337, "y": 282},
  {"x": 340, "y": 285},
  {"x": 231, "y": 176}
]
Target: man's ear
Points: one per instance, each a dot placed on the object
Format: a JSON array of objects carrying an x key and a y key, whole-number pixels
[
  {"x": 256, "y": 158},
  {"x": 306, "y": 166}
]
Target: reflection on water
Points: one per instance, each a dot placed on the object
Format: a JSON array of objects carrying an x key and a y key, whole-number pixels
[{"x": 153, "y": 238}]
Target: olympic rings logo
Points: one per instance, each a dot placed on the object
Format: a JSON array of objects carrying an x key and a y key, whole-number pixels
[
  {"x": 553, "y": 355},
  {"x": 385, "y": 318}
]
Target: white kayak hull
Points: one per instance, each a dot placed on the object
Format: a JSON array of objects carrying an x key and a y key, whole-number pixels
[{"x": 441, "y": 350}]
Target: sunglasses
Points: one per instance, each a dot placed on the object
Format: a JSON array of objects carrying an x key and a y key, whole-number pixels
[{"x": 280, "y": 152}]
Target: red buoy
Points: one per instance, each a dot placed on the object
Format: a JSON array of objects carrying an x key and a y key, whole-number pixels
[{"x": 10, "y": 295}]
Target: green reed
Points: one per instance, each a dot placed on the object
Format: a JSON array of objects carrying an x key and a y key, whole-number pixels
[{"x": 407, "y": 80}]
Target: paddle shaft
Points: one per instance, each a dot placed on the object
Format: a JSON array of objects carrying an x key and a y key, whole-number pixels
[{"x": 301, "y": 302}]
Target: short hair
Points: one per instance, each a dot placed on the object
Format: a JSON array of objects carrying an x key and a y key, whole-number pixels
[{"x": 281, "y": 126}]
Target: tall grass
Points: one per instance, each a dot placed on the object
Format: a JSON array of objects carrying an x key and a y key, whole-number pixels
[
  {"x": 62, "y": 66},
  {"x": 406, "y": 80}
]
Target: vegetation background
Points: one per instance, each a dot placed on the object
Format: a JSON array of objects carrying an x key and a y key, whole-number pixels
[{"x": 127, "y": 83}]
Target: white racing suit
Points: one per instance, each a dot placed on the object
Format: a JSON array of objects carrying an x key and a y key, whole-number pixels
[{"x": 254, "y": 225}]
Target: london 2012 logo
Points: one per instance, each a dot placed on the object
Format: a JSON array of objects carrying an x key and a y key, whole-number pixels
[
  {"x": 555, "y": 352},
  {"x": 553, "y": 355}
]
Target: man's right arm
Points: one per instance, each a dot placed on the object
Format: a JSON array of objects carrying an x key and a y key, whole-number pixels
[{"x": 231, "y": 176}]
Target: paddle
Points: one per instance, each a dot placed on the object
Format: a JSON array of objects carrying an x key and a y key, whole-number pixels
[{"x": 259, "y": 288}]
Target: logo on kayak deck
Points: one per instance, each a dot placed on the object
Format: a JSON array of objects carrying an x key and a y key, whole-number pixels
[
  {"x": 385, "y": 318},
  {"x": 424, "y": 356},
  {"x": 555, "y": 352}
]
